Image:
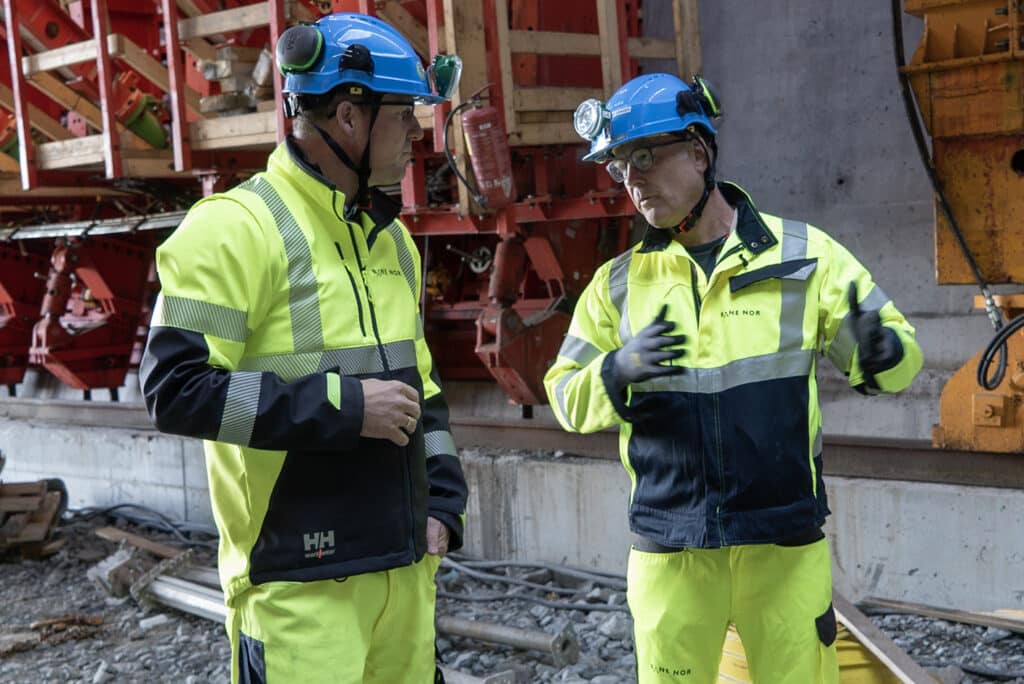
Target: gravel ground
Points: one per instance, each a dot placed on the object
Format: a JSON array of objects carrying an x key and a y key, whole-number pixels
[{"x": 132, "y": 645}]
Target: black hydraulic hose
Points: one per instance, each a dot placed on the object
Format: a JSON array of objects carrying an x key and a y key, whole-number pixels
[
  {"x": 480, "y": 199},
  {"x": 994, "y": 315},
  {"x": 997, "y": 346}
]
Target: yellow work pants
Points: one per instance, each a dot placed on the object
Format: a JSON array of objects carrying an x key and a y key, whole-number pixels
[
  {"x": 376, "y": 628},
  {"x": 779, "y": 598}
]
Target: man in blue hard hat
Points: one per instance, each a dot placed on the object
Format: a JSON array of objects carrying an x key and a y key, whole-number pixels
[
  {"x": 287, "y": 335},
  {"x": 700, "y": 342}
]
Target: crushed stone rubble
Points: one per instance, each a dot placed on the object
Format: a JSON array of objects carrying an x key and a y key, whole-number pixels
[{"x": 92, "y": 637}]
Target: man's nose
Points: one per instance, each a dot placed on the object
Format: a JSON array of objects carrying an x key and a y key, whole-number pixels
[{"x": 415, "y": 129}]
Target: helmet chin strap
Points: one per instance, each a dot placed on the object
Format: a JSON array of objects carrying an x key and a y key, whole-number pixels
[
  {"x": 361, "y": 198},
  {"x": 709, "y": 183}
]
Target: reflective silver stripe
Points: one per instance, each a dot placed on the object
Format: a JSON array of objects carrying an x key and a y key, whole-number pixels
[
  {"x": 789, "y": 364},
  {"x": 438, "y": 442},
  {"x": 405, "y": 259},
  {"x": 816, "y": 451},
  {"x": 841, "y": 351},
  {"x": 579, "y": 350},
  {"x": 794, "y": 292},
  {"x": 353, "y": 361},
  {"x": 303, "y": 299},
  {"x": 240, "y": 407},
  {"x": 560, "y": 397},
  {"x": 201, "y": 317},
  {"x": 618, "y": 292}
]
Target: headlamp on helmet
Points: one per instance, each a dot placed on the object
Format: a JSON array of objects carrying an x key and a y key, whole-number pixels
[
  {"x": 444, "y": 73},
  {"x": 590, "y": 118}
]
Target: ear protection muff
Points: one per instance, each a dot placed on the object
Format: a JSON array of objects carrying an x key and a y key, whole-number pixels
[
  {"x": 699, "y": 99},
  {"x": 299, "y": 48}
]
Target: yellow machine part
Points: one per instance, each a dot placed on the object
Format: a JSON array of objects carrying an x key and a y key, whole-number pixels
[{"x": 857, "y": 665}]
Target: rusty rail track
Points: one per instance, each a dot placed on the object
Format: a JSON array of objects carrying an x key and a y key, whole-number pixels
[{"x": 884, "y": 459}]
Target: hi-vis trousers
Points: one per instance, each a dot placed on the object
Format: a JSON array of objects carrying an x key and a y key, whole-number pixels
[
  {"x": 779, "y": 598},
  {"x": 376, "y": 628}
]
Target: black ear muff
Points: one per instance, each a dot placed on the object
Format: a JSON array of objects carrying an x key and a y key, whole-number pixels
[{"x": 299, "y": 48}]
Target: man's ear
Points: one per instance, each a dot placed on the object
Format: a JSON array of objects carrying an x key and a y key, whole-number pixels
[
  {"x": 346, "y": 116},
  {"x": 700, "y": 155}
]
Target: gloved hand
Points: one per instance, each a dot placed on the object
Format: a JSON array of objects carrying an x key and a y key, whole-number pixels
[
  {"x": 878, "y": 347},
  {"x": 641, "y": 358}
]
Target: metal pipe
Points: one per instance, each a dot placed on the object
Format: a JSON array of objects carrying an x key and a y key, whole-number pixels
[
  {"x": 187, "y": 597},
  {"x": 563, "y": 646}
]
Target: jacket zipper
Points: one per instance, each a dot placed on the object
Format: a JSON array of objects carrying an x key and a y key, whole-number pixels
[
  {"x": 355, "y": 289},
  {"x": 387, "y": 373}
]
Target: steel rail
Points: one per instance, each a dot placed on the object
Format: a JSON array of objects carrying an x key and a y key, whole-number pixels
[{"x": 859, "y": 457}]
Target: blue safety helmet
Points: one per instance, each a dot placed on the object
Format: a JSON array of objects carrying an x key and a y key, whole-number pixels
[
  {"x": 362, "y": 52},
  {"x": 648, "y": 105}
]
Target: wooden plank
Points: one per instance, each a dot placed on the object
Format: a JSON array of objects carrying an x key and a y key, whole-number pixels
[
  {"x": 505, "y": 61},
  {"x": 40, "y": 121},
  {"x": 876, "y": 641},
  {"x": 9, "y": 165},
  {"x": 56, "y": 90},
  {"x": 23, "y": 489},
  {"x": 225, "y": 21},
  {"x": 156, "y": 548},
  {"x": 651, "y": 48},
  {"x": 545, "y": 134},
  {"x": 554, "y": 43},
  {"x": 464, "y": 35},
  {"x": 608, "y": 35},
  {"x": 962, "y": 616},
  {"x": 410, "y": 27},
  {"x": 73, "y": 53},
  {"x": 66, "y": 154},
  {"x": 686, "y": 16},
  {"x": 138, "y": 59},
  {"x": 552, "y": 99},
  {"x": 19, "y": 504},
  {"x": 258, "y": 129},
  {"x": 199, "y": 48}
]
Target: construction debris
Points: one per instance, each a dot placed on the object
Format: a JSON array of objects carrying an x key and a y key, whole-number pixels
[
  {"x": 562, "y": 647},
  {"x": 29, "y": 514}
]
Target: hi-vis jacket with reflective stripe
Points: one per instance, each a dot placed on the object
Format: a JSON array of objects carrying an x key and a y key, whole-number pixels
[
  {"x": 272, "y": 308},
  {"x": 728, "y": 452}
]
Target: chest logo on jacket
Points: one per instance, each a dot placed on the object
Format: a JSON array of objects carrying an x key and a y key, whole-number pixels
[
  {"x": 736, "y": 313},
  {"x": 383, "y": 271},
  {"x": 318, "y": 544}
]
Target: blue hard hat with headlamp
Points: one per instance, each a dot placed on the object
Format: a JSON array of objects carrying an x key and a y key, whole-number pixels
[
  {"x": 361, "y": 52},
  {"x": 653, "y": 104}
]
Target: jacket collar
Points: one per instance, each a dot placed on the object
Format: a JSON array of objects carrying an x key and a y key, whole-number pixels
[
  {"x": 750, "y": 228},
  {"x": 291, "y": 160}
]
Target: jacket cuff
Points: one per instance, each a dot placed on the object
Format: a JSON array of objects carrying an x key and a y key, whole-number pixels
[
  {"x": 618, "y": 396},
  {"x": 351, "y": 411}
]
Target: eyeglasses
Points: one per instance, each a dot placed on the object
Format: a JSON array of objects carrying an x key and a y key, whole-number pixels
[{"x": 641, "y": 158}]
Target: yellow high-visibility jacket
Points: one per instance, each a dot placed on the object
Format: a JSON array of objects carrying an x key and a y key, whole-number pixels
[
  {"x": 273, "y": 307},
  {"x": 728, "y": 452}
]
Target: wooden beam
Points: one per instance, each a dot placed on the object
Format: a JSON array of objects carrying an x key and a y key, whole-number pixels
[
  {"x": 73, "y": 53},
  {"x": 554, "y": 43},
  {"x": 464, "y": 36},
  {"x": 651, "y": 48},
  {"x": 552, "y": 98},
  {"x": 410, "y": 27},
  {"x": 40, "y": 121},
  {"x": 9, "y": 165},
  {"x": 258, "y": 129},
  {"x": 505, "y": 61},
  {"x": 608, "y": 35},
  {"x": 876, "y": 641},
  {"x": 138, "y": 59},
  {"x": 54, "y": 88},
  {"x": 13, "y": 187},
  {"x": 66, "y": 154},
  {"x": 225, "y": 21},
  {"x": 545, "y": 134},
  {"x": 686, "y": 17}
]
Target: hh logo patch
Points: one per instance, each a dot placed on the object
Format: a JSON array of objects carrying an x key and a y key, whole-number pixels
[{"x": 318, "y": 544}]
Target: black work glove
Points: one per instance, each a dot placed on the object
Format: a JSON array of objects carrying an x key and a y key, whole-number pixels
[
  {"x": 641, "y": 358},
  {"x": 878, "y": 347}
]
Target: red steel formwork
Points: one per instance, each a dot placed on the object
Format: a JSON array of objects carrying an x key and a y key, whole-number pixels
[{"x": 109, "y": 136}]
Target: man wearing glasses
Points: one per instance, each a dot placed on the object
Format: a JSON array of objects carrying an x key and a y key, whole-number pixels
[
  {"x": 287, "y": 335},
  {"x": 700, "y": 342}
]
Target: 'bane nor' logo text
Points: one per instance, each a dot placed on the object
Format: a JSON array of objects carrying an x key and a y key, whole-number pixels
[
  {"x": 733, "y": 313},
  {"x": 319, "y": 544}
]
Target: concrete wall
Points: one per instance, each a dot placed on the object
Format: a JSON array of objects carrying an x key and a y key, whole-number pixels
[{"x": 948, "y": 546}]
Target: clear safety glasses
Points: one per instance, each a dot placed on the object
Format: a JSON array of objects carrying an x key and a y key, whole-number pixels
[{"x": 641, "y": 158}]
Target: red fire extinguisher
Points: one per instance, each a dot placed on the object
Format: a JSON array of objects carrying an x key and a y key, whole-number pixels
[{"x": 488, "y": 150}]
